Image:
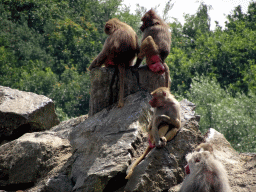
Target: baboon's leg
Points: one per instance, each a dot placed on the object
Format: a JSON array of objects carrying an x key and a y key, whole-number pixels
[
  {"x": 163, "y": 130},
  {"x": 171, "y": 134}
]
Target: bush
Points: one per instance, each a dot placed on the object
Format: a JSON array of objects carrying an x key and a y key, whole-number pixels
[
  {"x": 232, "y": 116},
  {"x": 71, "y": 93}
]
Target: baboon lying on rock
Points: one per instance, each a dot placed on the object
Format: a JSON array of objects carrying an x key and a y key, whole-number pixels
[{"x": 204, "y": 172}]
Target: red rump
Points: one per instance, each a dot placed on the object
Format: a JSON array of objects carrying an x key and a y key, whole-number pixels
[
  {"x": 150, "y": 144},
  {"x": 155, "y": 65},
  {"x": 187, "y": 169},
  {"x": 108, "y": 63},
  {"x": 155, "y": 59}
]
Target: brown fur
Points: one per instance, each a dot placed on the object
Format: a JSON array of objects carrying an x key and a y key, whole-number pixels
[
  {"x": 149, "y": 48},
  {"x": 204, "y": 147},
  {"x": 120, "y": 49},
  {"x": 155, "y": 27},
  {"x": 167, "y": 109},
  {"x": 166, "y": 117}
]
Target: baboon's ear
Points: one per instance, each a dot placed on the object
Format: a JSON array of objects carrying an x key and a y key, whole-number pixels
[
  {"x": 108, "y": 29},
  {"x": 151, "y": 12}
]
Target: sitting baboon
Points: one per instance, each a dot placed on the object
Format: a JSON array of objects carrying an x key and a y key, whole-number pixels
[
  {"x": 204, "y": 172},
  {"x": 167, "y": 110},
  {"x": 120, "y": 49},
  {"x": 165, "y": 122}
]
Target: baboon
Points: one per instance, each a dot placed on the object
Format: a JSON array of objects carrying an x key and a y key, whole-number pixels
[
  {"x": 204, "y": 172},
  {"x": 167, "y": 110},
  {"x": 119, "y": 49},
  {"x": 159, "y": 41},
  {"x": 150, "y": 50},
  {"x": 204, "y": 147},
  {"x": 165, "y": 122}
]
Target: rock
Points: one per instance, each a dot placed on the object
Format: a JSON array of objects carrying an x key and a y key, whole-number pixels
[
  {"x": 105, "y": 143},
  {"x": 42, "y": 159},
  {"x": 240, "y": 168},
  {"x": 22, "y": 112},
  {"x": 102, "y": 143},
  {"x": 93, "y": 154},
  {"x": 163, "y": 168},
  {"x": 242, "y": 178},
  {"x": 31, "y": 157},
  {"x": 60, "y": 183},
  {"x": 105, "y": 85}
]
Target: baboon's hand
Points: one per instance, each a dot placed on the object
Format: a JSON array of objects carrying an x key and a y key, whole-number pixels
[{"x": 162, "y": 142}]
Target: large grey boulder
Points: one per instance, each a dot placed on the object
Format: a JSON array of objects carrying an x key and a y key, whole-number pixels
[
  {"x": 163, "y": 168},
  {"x": 102, "y": 144},
  {"x": 105, "y": 85},
  {"x": 105, "y": 144},
  {"x": 40, "y": 159},
  {"x": 241, "y": 168},
  {"x": 22, "y": 112},
  {"x": 31, "y": 157}
]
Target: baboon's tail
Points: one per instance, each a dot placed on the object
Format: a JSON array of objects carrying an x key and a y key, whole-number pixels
[{"x": 138, "y": 161}]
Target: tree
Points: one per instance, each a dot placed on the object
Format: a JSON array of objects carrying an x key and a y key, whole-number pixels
[{"x": 198, "y": 23}]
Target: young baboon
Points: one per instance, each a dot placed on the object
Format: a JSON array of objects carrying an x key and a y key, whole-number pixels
[
  {"x": 120, "y": 49},
  {"x": 150, "y": 50},
  {"x": 160, "y": 41},
  {"x": 204, "y": 172},
  {"x": 165, "y": 122}
]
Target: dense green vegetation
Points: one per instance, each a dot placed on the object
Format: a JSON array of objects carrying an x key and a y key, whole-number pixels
[
  {"x": 217, "y": 71},
  {"x": 47, "y": 45}
]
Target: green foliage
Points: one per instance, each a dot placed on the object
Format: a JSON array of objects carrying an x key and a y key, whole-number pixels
[
  {"x": 124, "y": 15},
  {"x": 228, "y": 56},
  {"x": 61, "y": 114},
  {"x": 38, "y": 81},
  {"x": 216, "y": 71},
  {"x": 47, "y": 45},
  {"x": 71, "y": 94},
  {"x": 232, "y": 116},
  {"x": 72, "y": 43},
  {"x": 197, "y": 24}
]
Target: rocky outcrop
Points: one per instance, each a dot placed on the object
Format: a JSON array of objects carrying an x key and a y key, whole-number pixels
[
  {"x": 93, "y": 154},
  {"x": 103, "y": 147},
  {"x": 22, "y": 112},
  {"x": 106, "y": 143},
  {"x": 38, "y": 158},
  {"x": 241, "y": 168},
  {"x": 105, "y": 85},
  {"x": 163, "y": 168},
  {"x": 30, "y": 157}
]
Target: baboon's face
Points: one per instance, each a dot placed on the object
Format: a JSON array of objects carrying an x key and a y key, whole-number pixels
[{"x": 195, "y": 160}]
